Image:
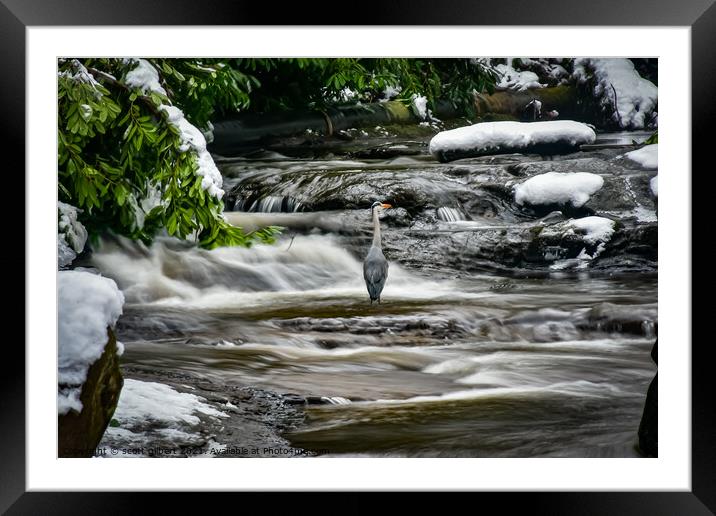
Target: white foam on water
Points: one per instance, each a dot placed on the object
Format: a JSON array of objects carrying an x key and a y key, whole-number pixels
[
  {"x": 579, "y": 388},
  {"x": 312, "y": 268}
]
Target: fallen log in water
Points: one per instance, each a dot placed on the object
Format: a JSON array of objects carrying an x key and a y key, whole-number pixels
[{"x": 250, "y": 128}]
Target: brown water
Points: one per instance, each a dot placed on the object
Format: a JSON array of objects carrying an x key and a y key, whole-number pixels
[
  {"x": 458, "y": 360},
  {"x": 475, "y": 366}
]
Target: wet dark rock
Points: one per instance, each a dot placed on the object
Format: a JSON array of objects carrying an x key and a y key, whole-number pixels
[
  {"x": 388, "y": 151},
  {"x": 542, "y": 149},
  {"x": 612, "y": 318},
  {"x": 481, "y": 227},
  {"x": 649, "y": 425},
  {"x": 640, "y": 241},
  {"x": 167, "y": 323},
  {"x": 80, "y": 434},
  {"x": 434, "y": 326},
  {"x": 621, "y": 194},
  {"x": 398, "y": 217}
]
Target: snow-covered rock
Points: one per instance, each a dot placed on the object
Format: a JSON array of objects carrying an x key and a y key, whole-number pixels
[
  {"x": 636, "y": 98},
  {"x": 87, "y": 305},
  {"x": 573, "y": 188},
  {"x": 654, "y": 185},
  {"x": 574, "y": 243},
  {"x": 71, "y": 234},
  {"x": 555, "y": 136},
  {"x": 647, "y": 156}
]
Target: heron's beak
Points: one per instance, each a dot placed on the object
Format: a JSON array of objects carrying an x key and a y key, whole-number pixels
[{"x": 386, "y": 206}]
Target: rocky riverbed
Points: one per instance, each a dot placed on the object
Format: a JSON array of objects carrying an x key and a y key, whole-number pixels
[{"x": 507, "y": 328}]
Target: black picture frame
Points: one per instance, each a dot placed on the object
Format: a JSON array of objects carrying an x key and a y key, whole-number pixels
[{"x": 700, "y": 15}]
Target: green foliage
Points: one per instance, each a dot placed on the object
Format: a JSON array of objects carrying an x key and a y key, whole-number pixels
[
  {"x": 126, "y": 165},
  {"x": 654, "y": 138},
  {"x": 316, "y": 83}
]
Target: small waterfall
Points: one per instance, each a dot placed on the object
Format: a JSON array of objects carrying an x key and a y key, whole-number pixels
[
  {"x": 450, "y": 214},
  {"x": 269, "y": 204},
  {"x": 336, "y": 400},
  {"x": 171, "y": 271}
]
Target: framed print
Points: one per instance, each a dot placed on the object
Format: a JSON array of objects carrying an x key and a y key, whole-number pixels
[{"x": 390, "y": 255}]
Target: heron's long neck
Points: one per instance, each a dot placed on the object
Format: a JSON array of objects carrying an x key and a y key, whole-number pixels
[{"x": 376, "y": 229}]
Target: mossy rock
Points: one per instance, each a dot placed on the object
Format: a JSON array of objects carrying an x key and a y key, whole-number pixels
[{"x": 79, "y": 434}]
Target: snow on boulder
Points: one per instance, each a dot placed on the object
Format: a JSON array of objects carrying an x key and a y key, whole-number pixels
[
  {"x": 615, "y": 82},
  {"x": 593, "y": 229},
  {"x": 654, "y": 184},
  {"x": 87, "y": 305},
  {"x": 647, "y": 156},
  {"x": 573, "y": 188},
  {"x": 551, "y": 137}
]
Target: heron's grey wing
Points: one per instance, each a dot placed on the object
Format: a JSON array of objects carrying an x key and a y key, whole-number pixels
[{"x": 375, "y": 272}]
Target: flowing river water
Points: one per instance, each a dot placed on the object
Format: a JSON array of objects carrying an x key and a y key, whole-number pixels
[{"x": 466, "y": 356}]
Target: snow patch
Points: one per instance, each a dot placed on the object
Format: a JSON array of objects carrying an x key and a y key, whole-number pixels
[
  {"x": 82, "y": 75},
  {"x": 513, "y": 80},
  {"x": 558, "y": 188},
  {"x": 87, "y": 305},
  {"x": 141, "y": 401},
  {"x": 145, "y": 78},
  {"x": 65, "y": 254},
  {"x": 86, "y": 111},
  {"x": 643, "y": 214},
  {"x": 654, "y": 185},
  {"x": 420, "y": 106},
  {"x": 391, "y": 92},
  {"x": 347, "y": 94},
  {"x": 647, "y": 157},
  {"x": 143, "y": 206},
  {"x": 594, "y": 229}
]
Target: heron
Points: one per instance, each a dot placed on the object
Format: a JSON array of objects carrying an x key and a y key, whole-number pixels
[{"x": 375, "y": 266}]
